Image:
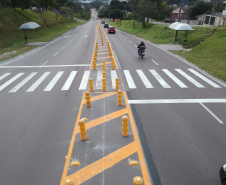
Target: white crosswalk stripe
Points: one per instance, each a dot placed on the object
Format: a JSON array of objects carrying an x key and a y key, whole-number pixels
[
  {"x": 10, "y": 81},
  {"x": 129, "y": 76},
  {"x": 175, "y": 79},
  {"x": 22, "y": 83},
  {"x": 192, "y": 80},
  {"x": 53, "y": 81},
  {"x": 69, "y": 81},
  {"x": 159, "y": 78},
  {"x": 204, "y": 78},
  {"x": 129, "y": 79},
  {"x": 144, "y": 79},
  {"x": 84, "y": 81},
  {"x": 113, "y": 77},
  {"x": 3, "y": 76},
  {"x": 99, "y": 80},
  {"x": 38, "y": 82}
]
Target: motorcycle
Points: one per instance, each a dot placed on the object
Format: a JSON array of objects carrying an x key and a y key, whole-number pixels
[{"x": 142, "y": 51}]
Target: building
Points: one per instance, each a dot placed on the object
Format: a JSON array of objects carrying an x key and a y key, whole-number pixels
[{"x": 183, "y": 14}]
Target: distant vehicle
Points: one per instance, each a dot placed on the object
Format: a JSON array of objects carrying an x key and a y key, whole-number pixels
[
  {"x": 103, "y": 22},
  {"x": 111, "y": 30},
  {"x": 106, "y": 26},
  {"x": 97, "y": 19}
]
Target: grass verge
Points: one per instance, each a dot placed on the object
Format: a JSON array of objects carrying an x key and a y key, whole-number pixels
[{"x": 127, "y": 26}]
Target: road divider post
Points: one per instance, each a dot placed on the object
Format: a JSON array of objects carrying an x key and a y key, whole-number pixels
[
  {"x": 104, "y": 76},
  {"x": 82, "y": 129},
  {"x": 112, "y": 64},
  {"x": 91, "y": 85},
  {"x": 117, "y": 84},
  {"x": 94, "y": 65},
  {"x": 119, "y": 97},
  {"x": 125, "y": 126},
  {"x": 103, "y": 67},
  {"x": 104, "y": 84},
  {"x": 103, "y": 62},
  {"x": 137, "y": 180},
  {"x": 68, "y": 182},
  {"x": 88, "y": 102}
]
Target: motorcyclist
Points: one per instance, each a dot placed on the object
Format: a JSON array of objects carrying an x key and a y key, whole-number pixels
[{"x": 141, "y": 44}]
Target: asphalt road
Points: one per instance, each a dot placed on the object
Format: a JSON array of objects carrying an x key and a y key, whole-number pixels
[{"x": 40, "y": 95}]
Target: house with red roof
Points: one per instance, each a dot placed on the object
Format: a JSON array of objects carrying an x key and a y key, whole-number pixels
[{"x": 183, "y": 14}]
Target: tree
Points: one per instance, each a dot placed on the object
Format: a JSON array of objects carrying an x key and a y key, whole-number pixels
[
  {"x": 198, "y": 9},
  {"x": 218, "y": 6},
  {"x": 51, "y": 3},
  {"x": 114, "y": 3}
]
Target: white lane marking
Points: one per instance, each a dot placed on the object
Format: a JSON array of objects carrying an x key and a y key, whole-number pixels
[
  {"x": 10, "y": 81},
  {"x": 45, "y": 63},
  {"x": 69, "y": 81},
  {"x": 158, "y": 101},
  {"x": 192, "y": 80},
  {"x": 204, "y": 78},
  {"x": 38, "y": 82},
  {"x": 5, "y": 75},
  {"x": 154, "y": 62},
  {"x": 159, "y": 78},
  {"x": 67, "y": 36},
  {"x": 53, "y": 81},
  {"x": 77, "y": 65},
  {"x": 125, "y": 38},
  {"x": 175, "y": 79},
  {"x": 135, "y": 45},
  {"x": 130, "y": 41},
  {"x": 55, "y": 54},
  {"x": 86, "y": 36},
  {"x": 212, "y": 113},
  {"x": 144, "y": 79},
  {"x": 113, "y": 77},
  {"x": 23, "y": 82},
  {"x": 129, "y": 79},
  {"x": 84, "y": 81},
  {"x": 99, "y": 80}
]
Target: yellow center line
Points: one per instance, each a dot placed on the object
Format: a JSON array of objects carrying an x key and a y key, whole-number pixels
[
  {"x": 137, "y": 140},
  {"x": 102, "y": 53},
  {"x": 102, "y": 63},
  {"x": 64, "y": 175},
  {"x": 108, "y": 161},
  {"x": 103, "y": 119}
]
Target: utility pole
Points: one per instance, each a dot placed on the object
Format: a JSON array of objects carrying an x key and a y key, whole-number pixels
[
  {"x": 178, "y": 20},
  {"x": 39, "y": 5}
]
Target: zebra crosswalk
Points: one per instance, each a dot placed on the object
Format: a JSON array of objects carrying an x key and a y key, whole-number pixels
[{"x": 148, "y": 77}]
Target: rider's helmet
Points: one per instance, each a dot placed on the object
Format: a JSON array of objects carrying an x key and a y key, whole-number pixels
[{"x": 142, "y": 42}]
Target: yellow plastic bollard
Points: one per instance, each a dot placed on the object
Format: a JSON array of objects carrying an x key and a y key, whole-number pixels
[
  {"x": 88, "y": 102},
  {"x": 110, "y": 54},
  {"x": 91, "y": 85},
  {"x": 112, "y": 64},
  {"x": 103, "y": 67},
  {"x": 102, "y": 42},
  {"x": 137, "y": 180},
  {"x": 96, "y": 50},
  {"x": 119, "y": 97},
  {"x": 104, "y": 84},
  {"x": 68, "y": 182},
  {"x": 94, "y": 65},
  {"x": 117, "y": 84},
  {"x": 125, "y": 126},
  {"x": 82, "y": 129},
  {"x": 103, "y": 62},
  {"x": 103, "y": 74}
]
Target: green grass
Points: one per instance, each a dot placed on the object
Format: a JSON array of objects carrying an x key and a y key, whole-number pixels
[
  {"x": 207, "y": 44},
  {"x": 53, "y": 25},
  {"x": 127, "y": 26}
]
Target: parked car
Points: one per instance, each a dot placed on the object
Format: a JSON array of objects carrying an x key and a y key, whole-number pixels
[
  {"x": 111, "y": 30},
  {"x": 106, "y": 26},
  {"x": 103, "y": 22}
]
